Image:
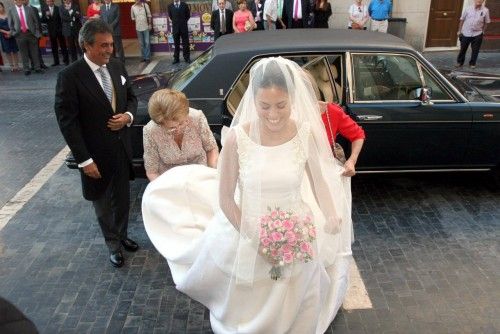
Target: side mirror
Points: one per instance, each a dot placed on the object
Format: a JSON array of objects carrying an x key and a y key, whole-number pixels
[{"x": 424, "y": 95}]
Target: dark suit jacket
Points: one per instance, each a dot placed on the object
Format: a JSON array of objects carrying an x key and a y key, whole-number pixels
[
  {"x": 179, "y": 17},
  {"x": 288, "y": 12},
  {"x": 54, "y": 23},
  {"x": 215, "y": 22},
  {"x": 71, "y": 23},
  {"x": 31, "y": 21},
  {"x": 83, "y": 111},
  {"x": 253, "y": 8},
  {"x": 112, "y": 17}
]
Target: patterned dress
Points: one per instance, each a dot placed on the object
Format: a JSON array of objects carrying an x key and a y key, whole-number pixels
[{"x": 161, "y": 152}]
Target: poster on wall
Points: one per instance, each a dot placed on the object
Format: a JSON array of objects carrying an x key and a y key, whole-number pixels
[{"x": 200, "y": 35}]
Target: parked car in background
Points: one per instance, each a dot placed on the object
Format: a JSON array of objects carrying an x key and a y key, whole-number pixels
[{"x": 415, "y": 117}]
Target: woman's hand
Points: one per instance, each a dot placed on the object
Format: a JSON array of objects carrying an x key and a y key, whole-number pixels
[
  {"x": 349, "y": 168},
  {"x": 332, "y": 225}
]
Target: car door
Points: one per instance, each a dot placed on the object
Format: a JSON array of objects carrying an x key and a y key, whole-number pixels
[{"x": 401, "y": 132}]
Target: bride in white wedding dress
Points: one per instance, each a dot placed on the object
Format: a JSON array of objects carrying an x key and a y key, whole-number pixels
[{"x": 264, "y": 241}]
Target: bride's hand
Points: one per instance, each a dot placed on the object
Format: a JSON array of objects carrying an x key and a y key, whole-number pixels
[{"x": 332, "y": 225}]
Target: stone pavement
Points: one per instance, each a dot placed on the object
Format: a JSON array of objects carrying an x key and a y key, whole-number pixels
[{"x": 426, "y": 247}]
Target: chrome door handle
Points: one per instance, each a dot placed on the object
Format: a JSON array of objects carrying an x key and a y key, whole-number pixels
[{"x": 369, "y": 117}]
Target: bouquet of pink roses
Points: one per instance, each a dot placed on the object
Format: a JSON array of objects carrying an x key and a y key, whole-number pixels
[{"x": 286, "y": 238}]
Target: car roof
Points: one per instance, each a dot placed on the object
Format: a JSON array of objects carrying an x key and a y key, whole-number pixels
[{"x": 299, "y": 40}]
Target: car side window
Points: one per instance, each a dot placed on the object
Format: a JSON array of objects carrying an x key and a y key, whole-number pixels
[
  {"x": 315, "y": 65},
  {"x": 437, "y": 92},
  {"x": 379, "y": 77}
]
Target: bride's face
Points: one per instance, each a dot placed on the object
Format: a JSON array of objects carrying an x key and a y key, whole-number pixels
[{"x": 273, "y": 107}]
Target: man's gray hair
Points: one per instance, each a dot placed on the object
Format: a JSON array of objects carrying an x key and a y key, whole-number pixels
[{"x": 90, "y": 29}]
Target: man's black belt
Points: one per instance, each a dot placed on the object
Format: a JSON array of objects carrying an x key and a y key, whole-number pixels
[{"x": 379, "y": 20}]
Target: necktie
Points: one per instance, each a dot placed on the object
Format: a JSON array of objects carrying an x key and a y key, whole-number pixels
[
  {"x": 106, "y": 83},
  {"x": 24, "y": 28},
  {"x": 296, "y": 10},
  {"x": 223, "y": 23}
]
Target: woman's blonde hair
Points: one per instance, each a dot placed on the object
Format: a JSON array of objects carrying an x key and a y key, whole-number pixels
[{"x": 167, "y": 104}]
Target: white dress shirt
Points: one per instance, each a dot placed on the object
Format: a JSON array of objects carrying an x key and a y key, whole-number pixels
[
  {"x": 271, "y": 9},
  {"x": 95, "y": 69}
]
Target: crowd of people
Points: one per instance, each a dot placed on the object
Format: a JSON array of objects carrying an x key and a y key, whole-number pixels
[
  {"x": 289, "y": 14},
  {"x": 21, "y": 26}
]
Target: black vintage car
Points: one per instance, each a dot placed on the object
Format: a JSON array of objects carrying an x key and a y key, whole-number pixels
[{"x": 415, "y": 117}]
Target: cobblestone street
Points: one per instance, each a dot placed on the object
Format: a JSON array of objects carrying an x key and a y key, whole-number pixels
[{"x": 427, "y": 245}]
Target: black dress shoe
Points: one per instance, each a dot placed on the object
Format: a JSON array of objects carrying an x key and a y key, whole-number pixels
[
  {"x": 188, "y": 61},
  {"x": 176, "y": 61},
  {"x": 55, "y": 64},
  {"x": 27, "y": 72},
  {"x": 130, "y": 245},
  {"x": 39, "y": 71},
  {"x": 116, "y": 258},
  {"x": 43, "y": 67}
]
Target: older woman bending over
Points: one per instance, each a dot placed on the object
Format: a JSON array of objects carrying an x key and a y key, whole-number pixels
[{"x": 176, "y": 135}]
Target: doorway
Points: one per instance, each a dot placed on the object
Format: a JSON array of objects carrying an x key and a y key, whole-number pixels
[{"x": 444, "y": 18}]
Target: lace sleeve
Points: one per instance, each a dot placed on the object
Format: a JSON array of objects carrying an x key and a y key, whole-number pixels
[
  {"x": 151, "y": 154},
  {"x": 206, "y": 135}
]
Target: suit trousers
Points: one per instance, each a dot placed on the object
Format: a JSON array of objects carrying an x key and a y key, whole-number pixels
[
  {"x": 73, "y": 46},
  {"x": 185, "y": 44},
  {"x": 118, "y": 48},
  {"x": 28, "y": 47},
  {"x": 56, "y": 41},
  {"x": 112, "y": 209},
  {"x": 475, "y": 44}
]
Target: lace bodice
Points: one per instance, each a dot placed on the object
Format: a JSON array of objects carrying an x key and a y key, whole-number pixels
[{"x": 273, "y": 172}]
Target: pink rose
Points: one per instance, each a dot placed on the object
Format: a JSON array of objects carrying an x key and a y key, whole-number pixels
[
  {"x": 282, "y": 214},
  {"x": 262, "y": 233},
  {"x": 286, "y": 249},
  {"x": 277, "y": 224},
  {"x": 291, "y": 237},
  {"x": 276, "y": 236},
  {"x": 274, "y": 253},
  {"x": 312, "y": 232},
  {"x": 288, "y": 224},
  {"x": 287, "y": 257},
  {"x": 274, "y": 214},
  {"x": 265, "y": 241},
  {"x": 304, "y": 247}
]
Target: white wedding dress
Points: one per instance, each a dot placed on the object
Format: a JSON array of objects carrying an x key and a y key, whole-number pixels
[{"x": 182, "y": 220}]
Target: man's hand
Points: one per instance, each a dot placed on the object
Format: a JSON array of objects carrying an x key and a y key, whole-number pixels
[
  {"x": 118, "y": 121},
  {"x": 349, "y": 168},
  {"x": 92, "y": 171}
]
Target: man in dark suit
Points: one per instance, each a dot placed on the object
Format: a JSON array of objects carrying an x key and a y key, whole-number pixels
[
  {"x": 296, "y": 13},
  {"x": 110, "y": 13},
  {"x": 95, "y": 105},
  {"x": 39, "y": 22},
  {"x": 51, "y": 16},
  {"x": 179, "y": 14},
  {"x": 25, "y": 29},
  {"x": 257, "y": 9},
  {"x": 222, "y": 20},
  {"x": 71, "y": 25}
]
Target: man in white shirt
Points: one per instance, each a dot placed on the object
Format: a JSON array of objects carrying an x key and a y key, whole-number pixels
[
  {"x": 471, "y": 29},
  {"x": 270, "y": 14}
]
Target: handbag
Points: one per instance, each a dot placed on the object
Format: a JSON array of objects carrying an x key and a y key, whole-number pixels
[
  {"x": 337, "y": 149},
  {"x": 356, "y": 26}
]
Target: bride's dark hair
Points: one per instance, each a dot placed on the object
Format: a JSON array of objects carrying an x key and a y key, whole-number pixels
[{"x": 271, "y": 74}]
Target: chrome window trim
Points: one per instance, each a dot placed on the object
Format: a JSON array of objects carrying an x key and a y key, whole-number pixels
[
  {"x": 446, "y": 170},
  {"x": 417, "y": 61},
  {"x": 349, "y": 80},
  {"x": 404, "y": 101}
]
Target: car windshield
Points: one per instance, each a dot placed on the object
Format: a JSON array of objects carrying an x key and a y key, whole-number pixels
[{"x": 183, "y": 77}]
